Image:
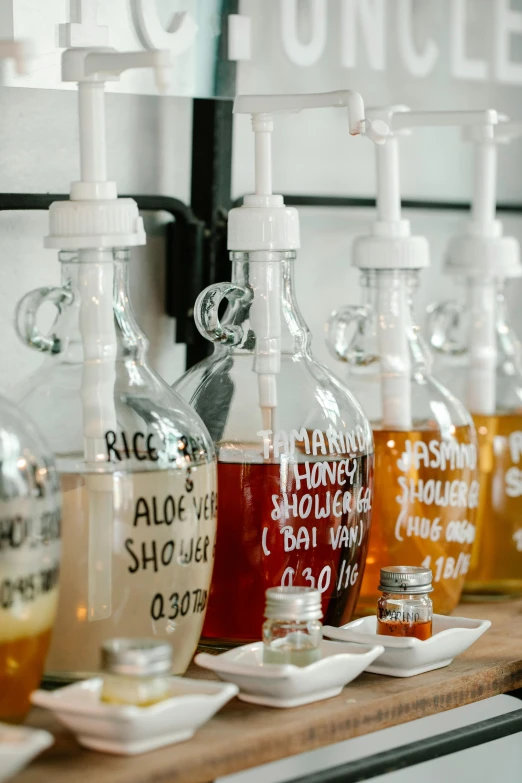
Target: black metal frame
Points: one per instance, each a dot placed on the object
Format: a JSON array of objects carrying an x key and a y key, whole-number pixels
[{"x": 418, "y": 752}]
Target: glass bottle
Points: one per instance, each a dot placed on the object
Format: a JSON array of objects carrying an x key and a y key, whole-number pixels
[
  {"x": 294, "y": 481},
  {"x": 405, "y": 608},
  {"x": 425, "y": 501},
  {"x": 29, "y": 558},
  {"x": 136, "y": 671},
  {"x": 293, "y": 630},
  {"x": 479, "y": 358},
  {"x": 295, "y": 451},
  {"x": 425, "y": 444},
  {"x": 136, "y": 465},
  {"x": 496, "y": 563}
]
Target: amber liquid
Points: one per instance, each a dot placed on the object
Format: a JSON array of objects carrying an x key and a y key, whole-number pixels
[
  {"x": 247, "y": 532},
  {"x": 496, "y": 564},
  {"x": 424, "y": 527},
  {"x": 21, "y": 667},
  {"x": 395, "y": 628}
]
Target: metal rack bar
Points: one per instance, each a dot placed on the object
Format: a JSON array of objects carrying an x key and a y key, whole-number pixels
[{"x": 418, "y": 752}]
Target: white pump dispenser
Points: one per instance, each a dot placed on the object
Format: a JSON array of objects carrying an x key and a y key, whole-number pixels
[
  {"x": 390, "y": 246},
  {"x": 482, "y": 255},
  {"x": 93, "y": 222},
  {"x": 264, "y": 224}
]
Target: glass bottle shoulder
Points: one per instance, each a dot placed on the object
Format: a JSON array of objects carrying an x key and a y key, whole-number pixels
[
  {"x": 154, "y": 426},
  {"x": 223, "y": 389}
]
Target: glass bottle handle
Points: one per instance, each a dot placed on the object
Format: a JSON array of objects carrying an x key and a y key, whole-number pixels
[
  {"x": 206, "y": 313},
  {"x": 341, "y": 328},
  {"x": 444, "y": 324},
  {"x": 26, "y": 314}
]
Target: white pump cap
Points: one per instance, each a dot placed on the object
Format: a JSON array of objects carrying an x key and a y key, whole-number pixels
[
  {"x": 481, "y": 250},
  {"x": 264, "y": 222},
  {"x": 95, "y": 217},
  {"x": 390, "y": 244}
]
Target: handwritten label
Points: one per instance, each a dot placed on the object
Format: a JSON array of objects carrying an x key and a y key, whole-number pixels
[
  {"x": 322, "y": 506},
  {"x": 437, "y": 493}
]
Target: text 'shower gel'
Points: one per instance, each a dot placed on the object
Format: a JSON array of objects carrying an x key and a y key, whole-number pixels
[{"x": 294, "y": 448}]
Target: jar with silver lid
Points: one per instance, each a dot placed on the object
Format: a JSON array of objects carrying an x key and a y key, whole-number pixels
[
  {"x": 405, "y": 608},
  {"x": 136, "y": 671},
  {"x": 293, "y": 630}
]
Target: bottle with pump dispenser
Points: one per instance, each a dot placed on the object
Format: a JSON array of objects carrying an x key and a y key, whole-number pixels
[
  {"x": 479, "y": 359},
  {"x": 294, "y": 449},
  {"x": 30, "y": 546},
  {"x": 136, "y": 464},
  {"x": 426, "y": 491}
]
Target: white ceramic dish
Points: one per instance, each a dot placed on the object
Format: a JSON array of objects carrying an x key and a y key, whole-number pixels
[
  {"x": 18, "y": 745},
  {"x": 285, "y": 685},
  {"x": 406, "y": 657},
  {"x": 130, "y": 730}
]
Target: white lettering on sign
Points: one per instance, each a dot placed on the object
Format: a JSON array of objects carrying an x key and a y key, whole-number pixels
[
  {"x": 508, "y": 22},
  {"x": 463, "y": 67},
  {"x": 418, "y": 63},
  {"x": 370, "y": 16},
  {"x": 363, "y": 36},
  {"x": 304, "y": 54}
]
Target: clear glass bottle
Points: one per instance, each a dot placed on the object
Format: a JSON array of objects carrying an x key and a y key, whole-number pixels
[
  {"x": 425, "y": 500},
  {"x": 294, "y": 480},
  {"x": 405, "y": 608},
  {"x": 136, "y": 671},
  {"x": 494, "y": 396},
  {"x": 29, "y": 558},
  {"x": 137, "y": 471},
  {"x": 293, "y": 630},
  {"x": 295, "y": 451}
]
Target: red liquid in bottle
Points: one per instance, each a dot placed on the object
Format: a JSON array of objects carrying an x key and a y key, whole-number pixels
[
  {"x": 420, "y": 630},
  {"x": 324, "y": 548}
]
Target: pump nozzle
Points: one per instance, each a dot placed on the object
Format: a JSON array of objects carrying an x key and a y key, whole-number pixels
[
  {"x": 392, "y": 247},
  {"x": 482, "y": 255},
  {"x": 263, "y": 225}
]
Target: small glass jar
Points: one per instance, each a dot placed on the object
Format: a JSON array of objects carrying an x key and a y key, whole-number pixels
[
  {"x": 136, "y": 671},
  {"x": 405, "y": 608},
  {"x": 293, "y": 629}
]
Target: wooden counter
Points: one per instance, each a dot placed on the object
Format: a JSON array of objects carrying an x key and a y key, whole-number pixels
[{"x": 243, "y": 736}]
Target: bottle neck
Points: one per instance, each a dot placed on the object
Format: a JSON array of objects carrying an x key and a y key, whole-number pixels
[
  {"x": 389, "y": 295},
  {"x": 273, "y": 315},
  {"x": 100, "y": 323}
]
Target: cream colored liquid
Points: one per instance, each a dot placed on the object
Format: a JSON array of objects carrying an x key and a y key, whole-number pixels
[
  {"x": 159, "y": 528},
  {"x": 496, "y": 564}
]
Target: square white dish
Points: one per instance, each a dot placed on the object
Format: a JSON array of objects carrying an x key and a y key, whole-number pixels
[
  {"x": 407, "y": 656},
  {"x": 18, "y": 745},
  {"x": 286, "y": 685},
  {"x": 128, "y": 730}
]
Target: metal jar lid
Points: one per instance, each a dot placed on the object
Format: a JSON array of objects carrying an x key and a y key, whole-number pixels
[
  {"x": 293, "y": 603},
  {"x": 406, "y": 579},
  {"x": 136, "y": 657}
]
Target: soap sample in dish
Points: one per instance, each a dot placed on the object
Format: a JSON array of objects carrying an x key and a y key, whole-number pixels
[
  {"x": 128, "y": 730},
  {"x": 18, "y": 745},
  {"x": 286, "y": 685},
  {"x": 407, "y": 656}
]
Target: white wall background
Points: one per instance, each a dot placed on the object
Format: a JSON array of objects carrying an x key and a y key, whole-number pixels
[{"x": 149, "y": 152}]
